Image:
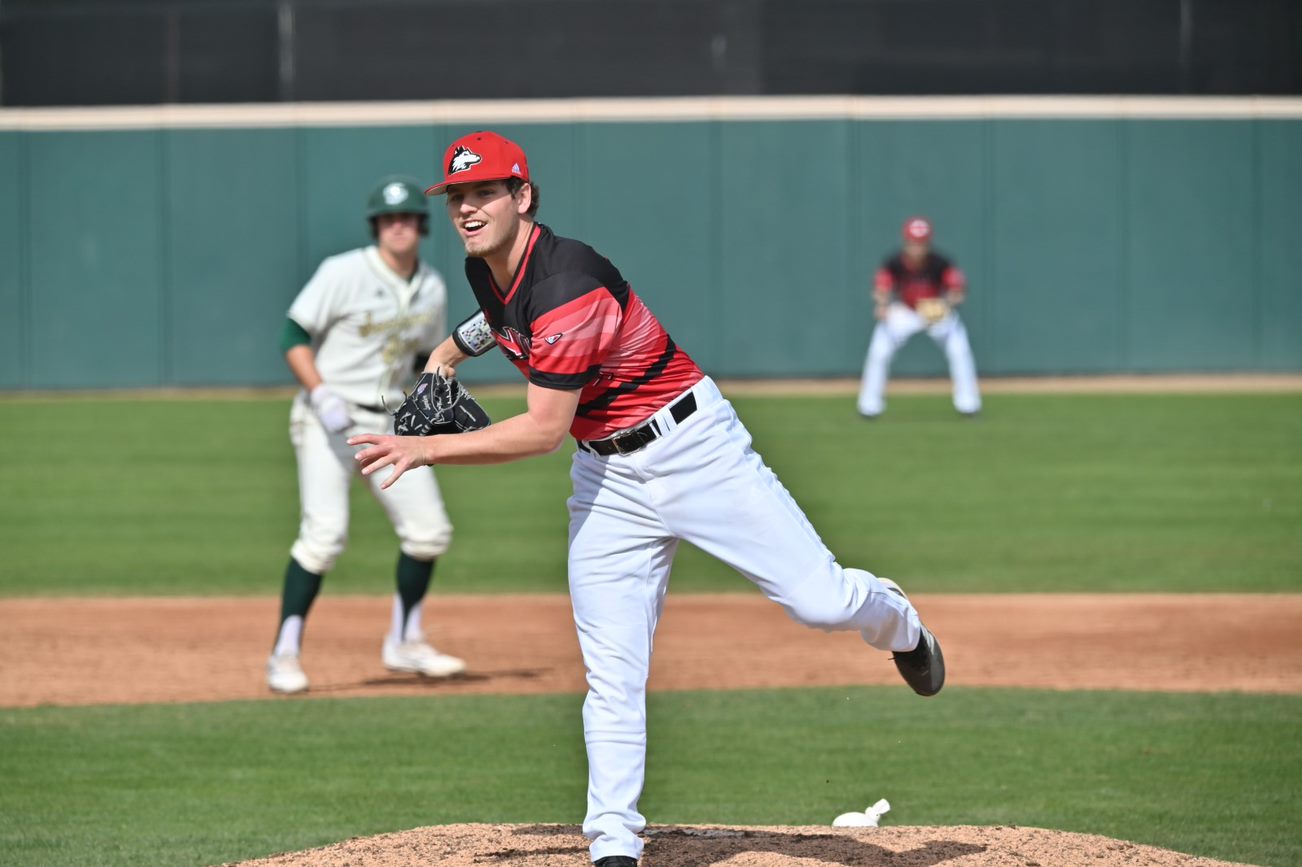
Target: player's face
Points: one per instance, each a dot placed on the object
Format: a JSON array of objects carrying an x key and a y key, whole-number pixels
[
  {"x": 399, "y": 234},
  {"x": 485, "y": 215},
  {"x": 915, "y": 251}
]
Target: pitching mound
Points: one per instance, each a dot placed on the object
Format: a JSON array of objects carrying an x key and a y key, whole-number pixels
[{"x": 700, "y": 846}]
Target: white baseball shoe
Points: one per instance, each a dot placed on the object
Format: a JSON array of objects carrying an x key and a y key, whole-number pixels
[
  {"x": 419, "y": 657},
  {"x": 285, "y": 675}
]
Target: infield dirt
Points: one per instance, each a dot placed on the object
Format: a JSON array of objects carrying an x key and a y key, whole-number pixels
[{"x": 126, "y": 651}]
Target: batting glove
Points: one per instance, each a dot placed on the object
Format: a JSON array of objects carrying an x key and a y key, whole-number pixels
[{"x": 331, "y": 409}]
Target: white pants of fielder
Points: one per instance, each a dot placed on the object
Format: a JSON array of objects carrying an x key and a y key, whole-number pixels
[
  {"x": 703, "y": 483},
  {"x": 891, "y": 333},
  {"x": 326, "y": 469}
]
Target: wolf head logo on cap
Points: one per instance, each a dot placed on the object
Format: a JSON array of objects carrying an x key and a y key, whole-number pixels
[{"x": 462, "y": 159}]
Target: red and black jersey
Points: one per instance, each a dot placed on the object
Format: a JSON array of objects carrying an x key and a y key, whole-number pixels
[
  {"x": 570, "y": 321},
  {"x": 932, "y": 278}
]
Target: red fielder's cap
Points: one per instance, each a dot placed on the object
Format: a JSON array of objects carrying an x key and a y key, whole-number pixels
[
  {"x": 481, "y": 156},
  {"x": 917, "y": 229}
]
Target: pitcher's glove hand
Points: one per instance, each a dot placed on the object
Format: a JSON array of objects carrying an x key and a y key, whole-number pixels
[
  {"x": 933, "y": 309},
  {"x": 438, "y": 405}
]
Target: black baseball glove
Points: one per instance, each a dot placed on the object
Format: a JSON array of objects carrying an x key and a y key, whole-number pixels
[{"x": 438, "y": 405}]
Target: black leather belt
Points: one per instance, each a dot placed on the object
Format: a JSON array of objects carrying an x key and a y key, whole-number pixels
[{"x": 637, "y": 438}]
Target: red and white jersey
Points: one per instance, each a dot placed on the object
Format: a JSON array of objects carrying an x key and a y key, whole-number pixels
[
  {"x": 570, "y": 321},
  {"x": 934, "y": 276}
]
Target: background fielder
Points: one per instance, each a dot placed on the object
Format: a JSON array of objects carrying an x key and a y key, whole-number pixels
[
  {"x": 917, "y": 289},
  {"x": 351, "y": 338}
]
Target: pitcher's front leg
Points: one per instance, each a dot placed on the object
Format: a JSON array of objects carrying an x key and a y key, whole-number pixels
[{"x": 619, "y": 568}]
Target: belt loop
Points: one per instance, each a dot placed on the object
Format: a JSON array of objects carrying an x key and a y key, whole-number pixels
[{"x": 683, "y": 407}]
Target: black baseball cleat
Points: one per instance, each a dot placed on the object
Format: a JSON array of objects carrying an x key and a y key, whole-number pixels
[
  {"x": 923, "y": 667},
  {"x": 616, "y": 861}
]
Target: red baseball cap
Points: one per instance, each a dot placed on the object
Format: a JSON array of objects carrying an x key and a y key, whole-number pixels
[
  {"x": 917, "y": 229},
  {"x": 481, "y": 156}
]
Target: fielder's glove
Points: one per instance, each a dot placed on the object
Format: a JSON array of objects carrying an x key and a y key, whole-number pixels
[
  {"x": 438, "y": 405},
  {"x": 331, "y": 409},
  {"x": 933, "y": 309}
]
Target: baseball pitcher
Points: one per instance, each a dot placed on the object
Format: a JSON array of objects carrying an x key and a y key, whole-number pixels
[{"x": 661, "y": 456}]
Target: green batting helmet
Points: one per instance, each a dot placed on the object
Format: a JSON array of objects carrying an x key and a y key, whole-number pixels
[{"x": 398, "y": 194}]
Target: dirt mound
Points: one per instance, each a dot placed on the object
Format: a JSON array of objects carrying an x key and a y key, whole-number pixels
[{"x": 702, "y": 846}]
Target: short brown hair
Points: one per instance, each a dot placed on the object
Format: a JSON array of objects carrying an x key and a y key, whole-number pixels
[{"x": 514, "y": 185}]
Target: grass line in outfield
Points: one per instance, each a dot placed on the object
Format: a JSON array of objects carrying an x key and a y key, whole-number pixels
[
  {"x": 1156, "y": 383},
  {"x": 1042, "y": 493},
  {"x": 1213, "y": 775}
]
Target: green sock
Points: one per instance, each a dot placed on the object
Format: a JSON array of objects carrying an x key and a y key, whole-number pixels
[
  {"x": 413, "y": 583},
  {"x": 301, "y": 588}
]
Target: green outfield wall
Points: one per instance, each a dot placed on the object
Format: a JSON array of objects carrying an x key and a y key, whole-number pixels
[{"x": 165, "y": 254}]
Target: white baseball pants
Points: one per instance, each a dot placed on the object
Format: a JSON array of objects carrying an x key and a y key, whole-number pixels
[
  {"x": 901, "y": 323},
  {"x": 326, "y": 468},
  {"x": 701, "y": 482}
]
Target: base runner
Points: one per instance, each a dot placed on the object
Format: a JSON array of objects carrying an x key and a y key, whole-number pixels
[{"x": 350, "y": 339}]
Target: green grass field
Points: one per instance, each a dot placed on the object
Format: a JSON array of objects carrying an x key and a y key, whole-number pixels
[
  {"x": 1218, "y": 775},
  {"x": 1043, "y": 493}
]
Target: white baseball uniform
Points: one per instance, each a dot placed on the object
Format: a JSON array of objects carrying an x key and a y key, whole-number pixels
[{"x": 367, "y": 324}]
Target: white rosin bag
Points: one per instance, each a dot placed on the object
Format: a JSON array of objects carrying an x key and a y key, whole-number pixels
[{"x": 867, "y": 819}]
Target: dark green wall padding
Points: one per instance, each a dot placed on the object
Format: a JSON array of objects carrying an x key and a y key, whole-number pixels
[{"x": 167, "y": 257}]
